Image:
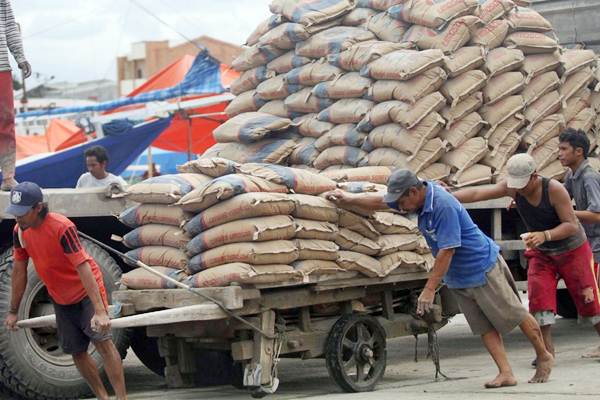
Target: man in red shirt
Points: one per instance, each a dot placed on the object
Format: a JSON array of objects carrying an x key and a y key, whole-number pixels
[{"x": 74, "y": 283}]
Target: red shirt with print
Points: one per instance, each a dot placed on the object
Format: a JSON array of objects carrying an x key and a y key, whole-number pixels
[{"x": 56, "y": 252}]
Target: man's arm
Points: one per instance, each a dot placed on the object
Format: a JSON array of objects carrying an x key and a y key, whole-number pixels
[
  {"x": 13, "y": 35},
  {"x": 370, "y": 201},
  {"x": 18, "y": 285},
  {"x": 473, "y": 194},
  {"x": 100, "y": 320},
  {"x": 588, "y": 217},
  {"x": 440, "y": 268}
]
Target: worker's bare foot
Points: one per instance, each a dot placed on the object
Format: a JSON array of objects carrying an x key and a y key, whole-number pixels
[
  {"x": 503, "y": 379},
  {"x": 8, "y": 184},
  {"x": 592, "y": 354},
  {"x": 543, "y": 369}
]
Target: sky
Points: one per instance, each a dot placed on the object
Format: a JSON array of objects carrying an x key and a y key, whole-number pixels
[{"x": 78, "y": 40}]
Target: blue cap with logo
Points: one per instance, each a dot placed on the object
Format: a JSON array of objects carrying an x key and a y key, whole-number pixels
[
  {"x": 398, "y": 183},
  {"x": 23, "y": 197}
]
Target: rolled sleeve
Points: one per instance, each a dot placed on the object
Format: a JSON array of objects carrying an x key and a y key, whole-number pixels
[
  {"x": 592, "y": 188},
  {"x": 447, "y": 226}
]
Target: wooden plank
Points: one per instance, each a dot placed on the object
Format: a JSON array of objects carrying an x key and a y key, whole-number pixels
[
  {"x": 387, "y": 304},
  {"x": 242, "y": 350},
  {"x": 198, "y": 312},
  {"x": 511, "y": 244},
  {"x": 304, "y": 321},
  {"x": 497, "y": 224},
  {"x": 294, "y": 298},
  {"x": 264, "y": 347},
  {"x": 364, "y": 281}
]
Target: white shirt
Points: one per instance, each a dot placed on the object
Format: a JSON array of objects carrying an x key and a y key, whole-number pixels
[{"x": 88, "y": 180}]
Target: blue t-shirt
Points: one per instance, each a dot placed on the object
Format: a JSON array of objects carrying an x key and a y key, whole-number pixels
[{"x": 446, "y": 225}]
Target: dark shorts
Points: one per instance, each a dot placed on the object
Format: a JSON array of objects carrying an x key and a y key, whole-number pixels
[{"x": 73, "y": 323}]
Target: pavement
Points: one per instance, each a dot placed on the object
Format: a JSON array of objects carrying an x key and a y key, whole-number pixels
[{"x": 463, "y": 359}]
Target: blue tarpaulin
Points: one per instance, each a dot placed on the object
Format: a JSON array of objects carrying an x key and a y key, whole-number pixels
[{"x": 166, "y": 161}]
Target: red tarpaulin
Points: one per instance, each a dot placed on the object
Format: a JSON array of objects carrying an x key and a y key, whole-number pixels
[{"x": 60, "y": 134}]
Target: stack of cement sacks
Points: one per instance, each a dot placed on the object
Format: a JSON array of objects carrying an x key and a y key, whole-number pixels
[{"x": 447, "y": 88}]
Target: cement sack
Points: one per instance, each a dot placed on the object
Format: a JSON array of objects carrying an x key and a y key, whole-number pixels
[
  {"x": 491, "y": 35},
  {"x": 583, "y": 121},
  {"x": 353, "y": 241},
  {"x": 358, "y": 17},
  {"x": 575, "y": 82},
  {"x": 268, "y": 151},
  {"x": 341, "y": 135},
  {"x": 468, "y": 154},
  {"x": 399, "y": 242},
  {"x": 427, "y": 155},
  {"x": 305, "y": 153},
  {"x": 156, "y": 235},
  {"x": 502, "y": 110},
  {"x": 250, "y": 127},
  {"x": 462, "y": 109},
  {"x": 286, "y": 35},
  {"x": 296, "y": 180},
  {"x": 257, "y": 253},
  {"x": 387, "y": 28},
  {"x": 139, "y": 278},
  {"x": 537, "y": 64},
  {"x": 531, "y": 42},
  {"x": 410, "y": 115},
  {"x": 210, "y": 166},
  {"x": 348, "y": 85},
  {"x": 305, "y": 101},
  {"x": 378, "y": 175},
  {"x": 595, "y": 101},
  {"x": 287, "y": 62},
  {"x": 402, "y": 260},
  {"x": 497, "y": 158},
  {"x": 226, "y": 274},
  {"x": 247, "y": 205},
  {"x": 165, "y": 189},
  {"x": 403, "y": 64},
  {"x": 548, "y": 104},
  {"x": 356, "y": 223},
  {"x": 316, "y": 267},
  {"x": 522, "y": 3},
  {"x": 546, "y": 153},
  {"x": 433, "y": 13},
  {"x": 547, "y": 128},
  {"x": 346, "y": 111},
  {"x": 339, "y": 155},
  {"x": 579, "y": 101},
  {"x": 366, "y": 265},
  {"x": 336, "y": 167},
  {"x": 388, "y": 223},
  {"x": 308, "y": 125},
  {"x": 490, "y": 10},
  {"x": 244, "y": 103},
  {"x": 314, "y": 208},
  {"x": 394, "y": 136},
  {"x": 315, "y": 230},
  {"x": 309, "y": 12},
  {"x": 224, "y": 188},
  {"x": 362, "y": 187},
  {"x": 462, "y": 130},
  {"x": 539, "y": 86},
  {"x": 255, "y": 56},
  {"x": 408, "y": 91},
  {"x": 554, "y": 170},
  {"x": 144, "y": 214},
  {"x": 477, "y": 174},
  {"x": 277, "y": 227},
  {"x": 159, "y": 256},
  {"x": 250, "y": 79},
  {"x": 463, "y": 60},
  {"x": 498, "y": 135},
  {"x": 450, "y": 39},
  {"x": 386, "y": 156},
  {"x": 278, "y": 109},
  {"x": 458, "y": 89},
  {"x": 313, "y": 73},
  {"x": 526, "y": 19},
  {"x": 316, "y": 249},
  {"x": 264, "y": 27},
  {"x": 502, "y": 86},
  {"x": 379, "y": 115},
  {"x": 338, "y": 39},
  {"x": 573, "y": 60},
  {"x": 435, "y": 172},
  {"x": 276, "y": 88},
  {"x": 381, "y": 5},
  {"x": 501, "y": 60},
  {"x": 356, "y": 57}
]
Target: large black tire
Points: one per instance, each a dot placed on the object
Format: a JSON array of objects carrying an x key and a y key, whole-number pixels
[
  {"x": 146, "y": 350},
  {"x": 31, "y": 362},
  {"x": 565, "y": 307}
]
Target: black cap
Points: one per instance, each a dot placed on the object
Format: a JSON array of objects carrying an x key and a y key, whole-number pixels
[
  {"x": 398, "y": 183},
  {"x": 23, "y": 197}
]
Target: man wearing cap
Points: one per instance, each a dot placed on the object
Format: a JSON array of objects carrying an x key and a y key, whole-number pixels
[
  {"x": 469, "y": 264},
  {"x": 74, "y": 282},
  {"x": 556, "y": 242}
]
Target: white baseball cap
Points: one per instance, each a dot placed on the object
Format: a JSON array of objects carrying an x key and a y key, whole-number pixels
[{"x": 519, "y": 169}]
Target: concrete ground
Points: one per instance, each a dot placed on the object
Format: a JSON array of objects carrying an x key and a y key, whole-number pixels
[{"x": 462, "y": 358}]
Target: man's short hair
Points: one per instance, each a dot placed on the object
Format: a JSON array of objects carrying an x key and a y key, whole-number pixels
[
  {"x": 577, "y": 139},
  {"x": 97, "y": 151}
]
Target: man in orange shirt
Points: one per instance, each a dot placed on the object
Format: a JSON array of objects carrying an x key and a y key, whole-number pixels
[{"x": 74, "y": 283}]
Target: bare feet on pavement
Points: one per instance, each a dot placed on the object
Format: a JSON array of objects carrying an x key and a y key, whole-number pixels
[
  {"x": 503, "y": 379},
  {"x": 543, "y": 369},
  {"x": 592, "y": 354}
]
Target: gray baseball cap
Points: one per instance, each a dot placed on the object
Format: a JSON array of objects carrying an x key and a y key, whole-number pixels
[
  {"x": 397, "y": 184},
  {"x": 519, "y": 169}
]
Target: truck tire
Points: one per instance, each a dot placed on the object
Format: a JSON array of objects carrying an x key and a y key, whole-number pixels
[
  {"x": 565, "y": 307},
  {"x": 31, "y": 363},
  {"x": 146, "y": 350}
]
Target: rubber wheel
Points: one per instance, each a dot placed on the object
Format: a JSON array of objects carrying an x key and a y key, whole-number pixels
[
  {"x": 565, "y": 307},
  {"x": 146, "y": 350},
  {"x": 355, "y": 352},
  {"x": 31, "y": 362}
]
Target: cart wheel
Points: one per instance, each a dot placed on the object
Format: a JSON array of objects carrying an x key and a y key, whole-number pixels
[{"x": 355, "y": 352}]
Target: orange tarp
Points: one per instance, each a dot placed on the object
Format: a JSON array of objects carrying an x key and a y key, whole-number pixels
[{"x": 60, "y": 134}]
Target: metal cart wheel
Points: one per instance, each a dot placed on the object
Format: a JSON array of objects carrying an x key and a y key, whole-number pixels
[{"x": 355, "y": 352}]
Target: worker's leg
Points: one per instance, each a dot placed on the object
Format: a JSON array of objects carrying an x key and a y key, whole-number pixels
[
  {"x": 113, "y": 367},
  {"x": 544, "y": 357},
  {"x": 87, "y": 368},
  {"x": 495, "y": 346},
  {"x": 7, "y": 131}
]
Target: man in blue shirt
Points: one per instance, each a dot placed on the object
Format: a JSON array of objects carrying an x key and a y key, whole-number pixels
[{"x": 469, "y": 264}]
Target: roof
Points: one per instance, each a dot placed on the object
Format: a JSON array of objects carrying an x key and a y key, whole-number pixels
[{"x": 223, "y": 51}]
